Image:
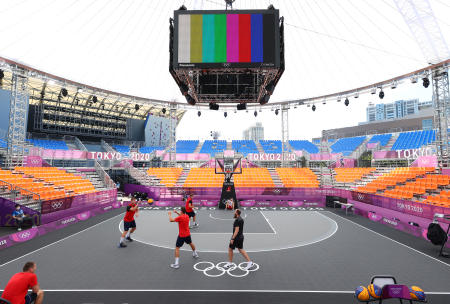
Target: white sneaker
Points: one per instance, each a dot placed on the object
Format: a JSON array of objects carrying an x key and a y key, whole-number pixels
[
  {"x": 196, "y": 225},
  {"x": 227, "y": 265},
  {"x": 249, "y": 265},
  {"x": 176, "y": 266},
  {"x": 19, "y": 229},
  {"x": 195, "y": 255}
]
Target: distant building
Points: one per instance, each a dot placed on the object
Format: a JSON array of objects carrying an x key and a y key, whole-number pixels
[
  {"x": 395, "y": 110},
  {"x": 255, "y": 132}
]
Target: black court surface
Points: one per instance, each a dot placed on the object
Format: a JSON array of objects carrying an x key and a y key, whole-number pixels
[{"x": 301, "y": 257}]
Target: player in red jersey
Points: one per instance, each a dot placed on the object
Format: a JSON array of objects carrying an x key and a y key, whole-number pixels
[
  {"x": 184, "y": 235},
  {"x": 190, "y": 210},
  {"x": 129, "y": 222},
  {"x": 16, "y": 291}
]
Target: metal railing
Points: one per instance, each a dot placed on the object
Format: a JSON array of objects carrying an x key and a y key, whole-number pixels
[
  {"x": 23, "y": 196},
  {"x": 107, "y": 146},
  {"x": 106, "y": 179},
  {"x": 142, "y": 177}
]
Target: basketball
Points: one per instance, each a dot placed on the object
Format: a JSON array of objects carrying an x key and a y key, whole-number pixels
[
  {"x": 361, "y": 293},
  {"x": 150, "y": 201},
  {"x": 374, "y": 290},
  {"x": 417, "y": 293}
]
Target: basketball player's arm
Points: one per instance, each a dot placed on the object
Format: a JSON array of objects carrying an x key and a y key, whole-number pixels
[
  {"x": 171, "y": 219},
  {"x": 236, "y": 231},
  {"x": 35, "y": 288}
]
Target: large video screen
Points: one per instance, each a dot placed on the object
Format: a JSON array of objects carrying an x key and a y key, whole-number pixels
[{"x": 213, "y": 39}]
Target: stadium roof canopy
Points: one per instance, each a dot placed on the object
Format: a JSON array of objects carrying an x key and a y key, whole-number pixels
[{"x": 122, "y": 45}]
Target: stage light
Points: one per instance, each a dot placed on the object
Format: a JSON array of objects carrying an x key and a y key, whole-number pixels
[
  {"x": 394, "y": 85},
  {"x": 199, "y": 113},
  {"x": 241, "y": 106},
  {"x": 276, "y": 112},
  {"x": 190, "y": 100},
  {"x": 373, "y": 91},
  {"x": 64, "y": 92},
  {"x": 163, "y": 110},
  {"x": 381, "y": 94},
  {"x": 2, "y": 74},
  {"x": 136, "y": 107},
  {"x": 425, "y": 82},
  {"x": 213, "y": 106},
  {"x": 94, "y": 99},
  {"x": 414, "y": 79},
  {"x": 356, "y": 95},
  {"x": 313, "y": 108},
  {"x": 339, "y": 99},
  {"x": 79, "y": 90},
  {"x": 256, "y": 113},
  {"x": 346, "y": 102},
  {"x": 225, "y": 114}
]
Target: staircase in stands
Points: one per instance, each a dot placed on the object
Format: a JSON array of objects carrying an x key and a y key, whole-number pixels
[
  {"x": 325, "y": 175},
  {"x": 275, "y": 177},
  {"x": 229, "y": 145},
  {"x": 199, "y": 147},
  {"x": 391, "y": 142},
  {"x": 184, "y": 174},
  {"x": 259, "y": 147},
  {"x": 90, "y": 175}
]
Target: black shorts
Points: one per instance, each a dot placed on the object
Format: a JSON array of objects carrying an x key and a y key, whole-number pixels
[
  {"x": 182, "y": 240},
  {"x": 30, "y": 298},
  {"x": 191, "y": 214},
  {"x": 128, "y": 225},
  {"x": 238, "y": 243}
]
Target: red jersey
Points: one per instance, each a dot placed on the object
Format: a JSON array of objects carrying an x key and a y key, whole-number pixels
[
  {"x": 188, "y": 208},
  {"x": 17, "y": 287},
  {"x": 129, "y": 216},
  {"x": 183, "y": 225}
]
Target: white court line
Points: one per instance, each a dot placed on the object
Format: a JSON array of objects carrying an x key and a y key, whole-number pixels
[
  {"x": 222, "y": 219},
  {"x": 67, "y": 237},
  {"x": 271, "y": 227},
  {"x": 223, "y": 290},
  {"x": 397, "y": 242}
]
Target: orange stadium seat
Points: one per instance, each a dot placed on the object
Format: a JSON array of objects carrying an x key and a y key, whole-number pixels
[
  {"x": 298, "y": 177},
  {"x": 168, "y": 176},
  {"x": 350, "y": 175}
]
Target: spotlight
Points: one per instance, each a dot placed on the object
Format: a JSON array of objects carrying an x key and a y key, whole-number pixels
[
  {"x": 163, "y": 110},
  {"x": 190, "y": 100},
  {"x": 394, "y": 85},
  {"x": 346, "y": 102},
  {"x": 79, "y": 90},
  {"x": 313, "y": 108},
  {"x": 414, "y": 79},
  {"x": 94, "y": 99},
  {"x": 255, "y": 113},
  {"x": 2, "y": 74},
  {"x": 425, "y": 82},
  {"x": 241, "y": 106},
  {"x": 136, "y": 107},
  {"x": 356, "y": 95},
  {"x": 381, "y": 94},
  {"x": 225, "y": 114},
  {"x": 213, "y": 106},
  {"x": 276, "y": 112},
  {"x": 64, "y": 92},
  {"x": 199, "y": 113},
  {"x": 373, "y": 91}
]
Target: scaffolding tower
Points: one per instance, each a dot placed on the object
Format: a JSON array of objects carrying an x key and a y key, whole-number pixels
[
  {"x": 441, "y": 115},
  {"x": 17, "y": 118},
  {"x": 173, "y": 136},
  {"x": 284, "y": 135}
]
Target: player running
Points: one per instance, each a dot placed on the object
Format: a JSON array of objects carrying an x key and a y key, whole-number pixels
[
  {"x": 129, "y": 222},
  {"x": 237, "y": 241},
  {"x": 190, "y": 211},
  {"x": 184, "y": 235}
]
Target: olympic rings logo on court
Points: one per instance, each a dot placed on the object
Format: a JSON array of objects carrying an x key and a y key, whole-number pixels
[
  {"x": 237, "y": 271},
  {"x": 25, "y": 235}
]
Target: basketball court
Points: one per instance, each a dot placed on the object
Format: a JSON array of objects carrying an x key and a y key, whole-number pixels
[{"x": 297, "y": 254}]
